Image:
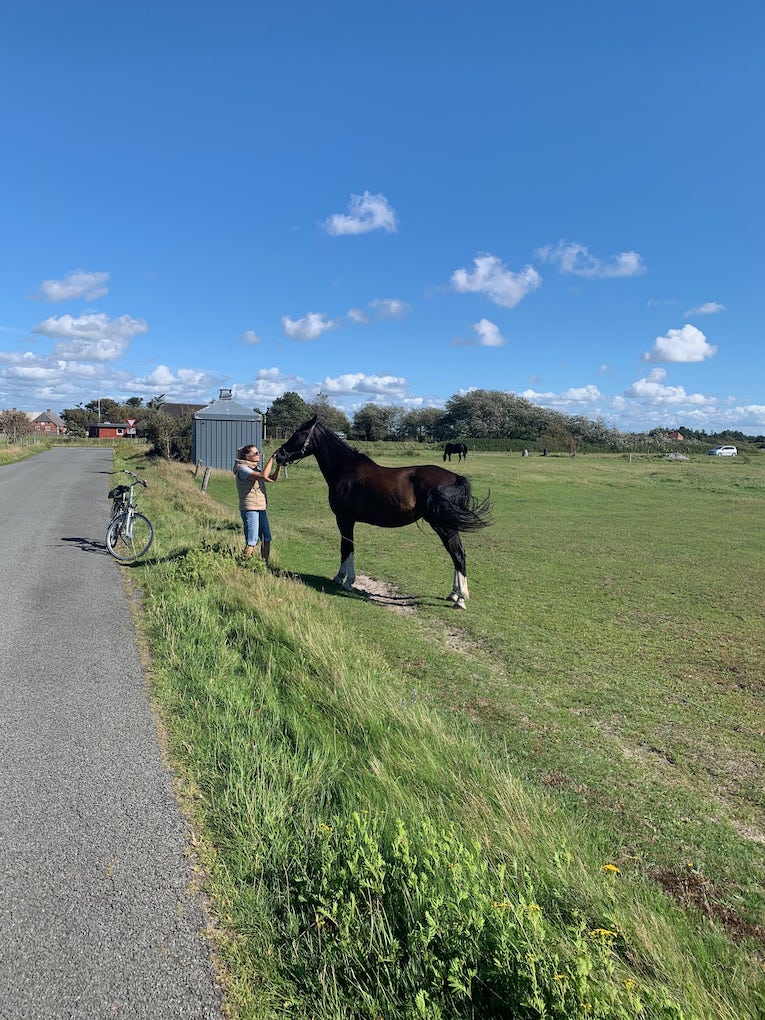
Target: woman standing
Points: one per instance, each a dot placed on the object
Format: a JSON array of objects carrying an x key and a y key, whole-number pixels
[{"x": 250, "y": 483}]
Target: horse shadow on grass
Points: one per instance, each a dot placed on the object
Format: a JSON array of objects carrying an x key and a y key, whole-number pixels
[{"x": 364, "y": 590}]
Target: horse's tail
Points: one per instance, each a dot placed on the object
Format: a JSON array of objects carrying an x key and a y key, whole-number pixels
[{"x": 454, "y": 508}]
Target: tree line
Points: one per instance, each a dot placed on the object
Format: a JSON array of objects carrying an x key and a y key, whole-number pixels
[
  {"x": 485, "y": 419},
  {"x": 489, "y": 419}
]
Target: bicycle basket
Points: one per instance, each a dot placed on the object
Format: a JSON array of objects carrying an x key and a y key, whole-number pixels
[{"x": 118, "y": 491}]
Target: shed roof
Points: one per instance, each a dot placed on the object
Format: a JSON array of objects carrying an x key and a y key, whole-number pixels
[{"x": 226, "y": 407}]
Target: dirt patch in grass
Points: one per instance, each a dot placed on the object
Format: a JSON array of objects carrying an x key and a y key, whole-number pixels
[
  {"x": 690, "y": 889},
  {"x": 383, "y": 594}
]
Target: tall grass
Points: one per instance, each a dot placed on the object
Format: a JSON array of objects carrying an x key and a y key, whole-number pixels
[
  {"x": 372, "y": 848},
  {"x": 9, "y": 453}
]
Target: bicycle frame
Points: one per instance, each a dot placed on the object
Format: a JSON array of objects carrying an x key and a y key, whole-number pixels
[{"x": 121, "y": 539}]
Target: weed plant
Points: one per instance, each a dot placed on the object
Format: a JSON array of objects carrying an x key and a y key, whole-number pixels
[{"x": 375, "y": 796}]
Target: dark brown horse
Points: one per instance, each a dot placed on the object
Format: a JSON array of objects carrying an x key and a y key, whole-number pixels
[
  {"x": 360, "y": 490},
  {"x": 459, "y": 448}
]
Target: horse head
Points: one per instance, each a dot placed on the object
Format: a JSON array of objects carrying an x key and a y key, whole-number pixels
[{"x": 299, "y": 444}]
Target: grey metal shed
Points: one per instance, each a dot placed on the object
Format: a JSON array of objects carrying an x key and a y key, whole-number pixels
[{"x": 221, "y": 428}]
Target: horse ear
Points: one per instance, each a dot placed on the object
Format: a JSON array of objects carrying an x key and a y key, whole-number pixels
[{"x": 313, "y": 420}]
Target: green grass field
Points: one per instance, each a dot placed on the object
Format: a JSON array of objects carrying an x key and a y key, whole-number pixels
[{"x": 550, "y": 805}]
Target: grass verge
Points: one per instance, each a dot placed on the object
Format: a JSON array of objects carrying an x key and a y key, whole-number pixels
[{"x": 373, "y": 849}]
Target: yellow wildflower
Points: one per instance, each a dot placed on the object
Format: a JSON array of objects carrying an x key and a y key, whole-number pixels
[{"x": 611, "y": 869}]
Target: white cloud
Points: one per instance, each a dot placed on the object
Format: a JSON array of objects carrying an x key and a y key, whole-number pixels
[
  {"x": 569, "y": 399},
  {"x": 46, "y": 376},
  {"x": 708, "y": 308},
  {"x": 36, "y": 373},
  {"x": 390, "y": 308},
  {"x": 91, "y": 337},
  {"x": 745, "y": 416},
  {"x": 582, "y": 394},
  {"x": 355, "y": 383},
  {"x": 250, "y": 337},
  {"x": 575, "y": 259},
  {"x": 13, "y": 358},
  {"x": 653, "y": 391},
  {"x": 270, "y": 383},
  {"x": 366, "y": 212},
  {"x": 77, "y": 284},
  {"x": 309, "y": 327},
  {"x": 185, "y": 384},
  {"x": 385, "y": 308},
  {"x": 496, "y": 281},
  {"x": 488, "y": 334},
  {"x": 681, "y": 345},
  {"x": 160, "y": 376}
]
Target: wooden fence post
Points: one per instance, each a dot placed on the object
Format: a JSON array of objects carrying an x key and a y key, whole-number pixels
[{"x": 206, "y": 479}]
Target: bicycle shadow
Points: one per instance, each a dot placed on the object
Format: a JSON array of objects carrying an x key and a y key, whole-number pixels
[
  {"x": 92, "y": 545},
  {"x": 86, "y": 544}
]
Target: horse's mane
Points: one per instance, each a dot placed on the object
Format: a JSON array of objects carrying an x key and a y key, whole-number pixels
[{"x": 330, "y": 437}]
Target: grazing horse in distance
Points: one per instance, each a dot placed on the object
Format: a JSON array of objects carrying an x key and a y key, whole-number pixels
[
  {"x": 361, "y": 490},
  {"x": 459, "y": 448}
]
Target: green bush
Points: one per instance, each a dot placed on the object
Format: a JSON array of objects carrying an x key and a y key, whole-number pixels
[{"x": 169, "y": 437}]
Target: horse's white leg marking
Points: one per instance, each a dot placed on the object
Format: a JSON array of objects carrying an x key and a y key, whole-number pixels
[
  {"x": 346, "y": 575},
  {"x": 460, "y": 591},
  {"x": 462, "y": 595}
]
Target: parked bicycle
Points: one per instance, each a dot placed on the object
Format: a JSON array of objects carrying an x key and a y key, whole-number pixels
[{"x": 130, "y": 533}]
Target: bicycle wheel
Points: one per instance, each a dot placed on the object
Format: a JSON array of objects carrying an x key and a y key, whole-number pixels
[{"x": 128, "y": 538}]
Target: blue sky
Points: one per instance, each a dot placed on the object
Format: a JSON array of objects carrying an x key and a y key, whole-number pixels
[{"x": 392, "y": 202}]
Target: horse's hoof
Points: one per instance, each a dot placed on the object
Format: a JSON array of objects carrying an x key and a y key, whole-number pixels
[
  {"x": 459, "y": 604},
  {"x": 452, "y": 597}
]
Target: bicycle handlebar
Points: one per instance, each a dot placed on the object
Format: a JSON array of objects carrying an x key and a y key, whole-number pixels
[{"x": 138, "y": 481}]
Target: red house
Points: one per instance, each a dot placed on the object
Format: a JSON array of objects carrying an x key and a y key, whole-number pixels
[
  {"x": 48, "y": 424},
  {"x": 110, "y": 430}
]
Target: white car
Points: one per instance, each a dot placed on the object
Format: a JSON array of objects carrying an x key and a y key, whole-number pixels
[{"x": 723, "y": 451}]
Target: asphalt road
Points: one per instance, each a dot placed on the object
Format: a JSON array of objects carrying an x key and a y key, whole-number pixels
[{"x": 98, "y": 916}]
